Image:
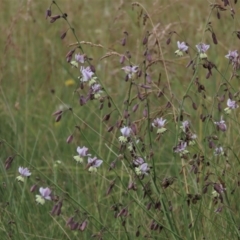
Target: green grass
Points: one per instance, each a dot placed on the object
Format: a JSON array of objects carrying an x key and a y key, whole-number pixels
[{"x": 32, "y": 87}]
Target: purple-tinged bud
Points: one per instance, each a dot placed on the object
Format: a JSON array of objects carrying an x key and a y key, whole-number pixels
[
  {"x": 59, "y": 208},
  {"x": 82, "y": 100},
  {"x": 134, "y": 128},
  {"x": 48, "y": 13},
  {"x": 57, "y": 113},
  {"x": 53, "y": 211},
  {"x": 168, "y": 41},
  {"x": 58, "y": 118},
  {"x": 126, "y": 114},
  {"x": 54, "y": 18},
  {"x": 110, "y": 129},
  {"x": 69, "y": 221},
  {"x": 124, "y": 40},
  {"x": 63, "y": 35},
  {"x": 128, "y": 54},
  {"x": 8, "y": 162},
  {"x": 135, "y": 107},
  {"x": 139, "y": 73},
  {"x": 194, "y": 105},
  {"x": 33, "y": 188},
  {"x": 214, "y": 38},
  {"x": 112, "y": 165},
  {"x": 218, "y": 15},
  {"x": 92, "y": 68},
  {"x": 69, "y": 55},
  {"x": 122, "y": 212},
  {"x": 83, "y": 225},
  {"x": 106, "y": 117},
  {"x": 74, "y": 225},
  {"x": 145, "y": 112},
  {"x": 101, "y": 106},
  {"x": 145, "y": 40},
  {"x": 69, "y": 139},
  {"x": 149, "y": 205},
  {"x": 122, "y": 59},
  {"x": 109, "y": 104},
  {"x": 110, "y": 187},
  {"x": 145, "y": 86},
  {"x": 189, "y": 64}
]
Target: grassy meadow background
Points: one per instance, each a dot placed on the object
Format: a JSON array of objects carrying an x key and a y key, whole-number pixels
[{"x": 34, "y": 81}]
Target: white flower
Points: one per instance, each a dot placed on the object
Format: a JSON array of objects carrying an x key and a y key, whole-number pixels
[
  {"x": 130, "y": 71},
  {"x": 45, "y": 195},
  {"x": 218, "y": 151},
  {"x": 87, "y": 73},
  {"x": 231, "y": 105},
  {"x": 159, "y": 123}
]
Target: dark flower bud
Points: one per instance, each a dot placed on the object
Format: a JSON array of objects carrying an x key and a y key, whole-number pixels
[
  {"x": 69, "y": 139},
  {"x": 58, "y": 118},
  {"x": 48, "y": 13},
  {"x": 33, "y": 188},
  {"x": 110, "y": 129},
  {"x": 124, "y": 40},
  {"x": 214, "y": 38},
  {"x": 54, "y": 18},
  {"x": 57, "y": 113},
  {"x": 168, "y": 41},
  {"x": 110, "y": 187},
  {"x": 63, "y": 35},
  {"x": 106, "y": 117},
  {"x": 122, "y": 59},
  {"x": 135, "y": 107}
]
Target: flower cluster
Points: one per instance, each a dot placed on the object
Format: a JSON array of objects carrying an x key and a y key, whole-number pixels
[{"x": 93, "y": 163}]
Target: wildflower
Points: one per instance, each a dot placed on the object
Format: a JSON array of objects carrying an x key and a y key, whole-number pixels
[
  {"x": 182, "y": 47},
  {"x": 221, "y": 125},
  {"x": 159, "y": 123},
  {"x": 96, "y": 90},
  {"x": 126, "y": 132},
  {"x": 130, "y": 71},
  {"x": 231, "y": 105},
  {"x": 185, "y": 126},
  {"x": 202, "y": 48},
  {"x": 86, "y": 74},
  {"x": 138, "y": 161},
  {"x": 45, "y": 195},
  {"x": 80, "y": 58},
  {"x": 143, "y": 169},
  {"x": 24, "y": 172},
  {"x": 218, "y": 151},
  {"x": 69, "y": 82},
  {"x": 192, "y": 139},
  {"x": 93, "y": 164},
  {"x": 232, "y": 55},
  {"x": 181, "y": 148},
  {"x": 83, "y": 152}
]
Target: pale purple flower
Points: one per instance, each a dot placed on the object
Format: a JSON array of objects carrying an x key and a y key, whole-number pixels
[
  {"x": 93, "y": 164},
  {"x": 232, "y": 55},
  {"x": 202, "y": 47},
  {"x": 218, "y": 151},
  {"x": 130, "y": 71},
  {"x": 83, "y": 152},
  {"x": 87, "y": 73},
  {"x": 181, "y": 148},
  {"x": 96, "y": 90},
  {"x": 185, "y": 126},
  {"x": 182, "y": 46},
  {"x": 158, "y": 122},
  {"x": 138, "y": 161},
  {"x": 24, "y": 171},
  {"x": 45, "y": 195},
  {"x": 80, "y": 58},
  {"x": 221, "y": 125},
  {"x": 231, "y": 104},
  {"x": 126, "y": 131},
  {"x": 142, "y": 169}
]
